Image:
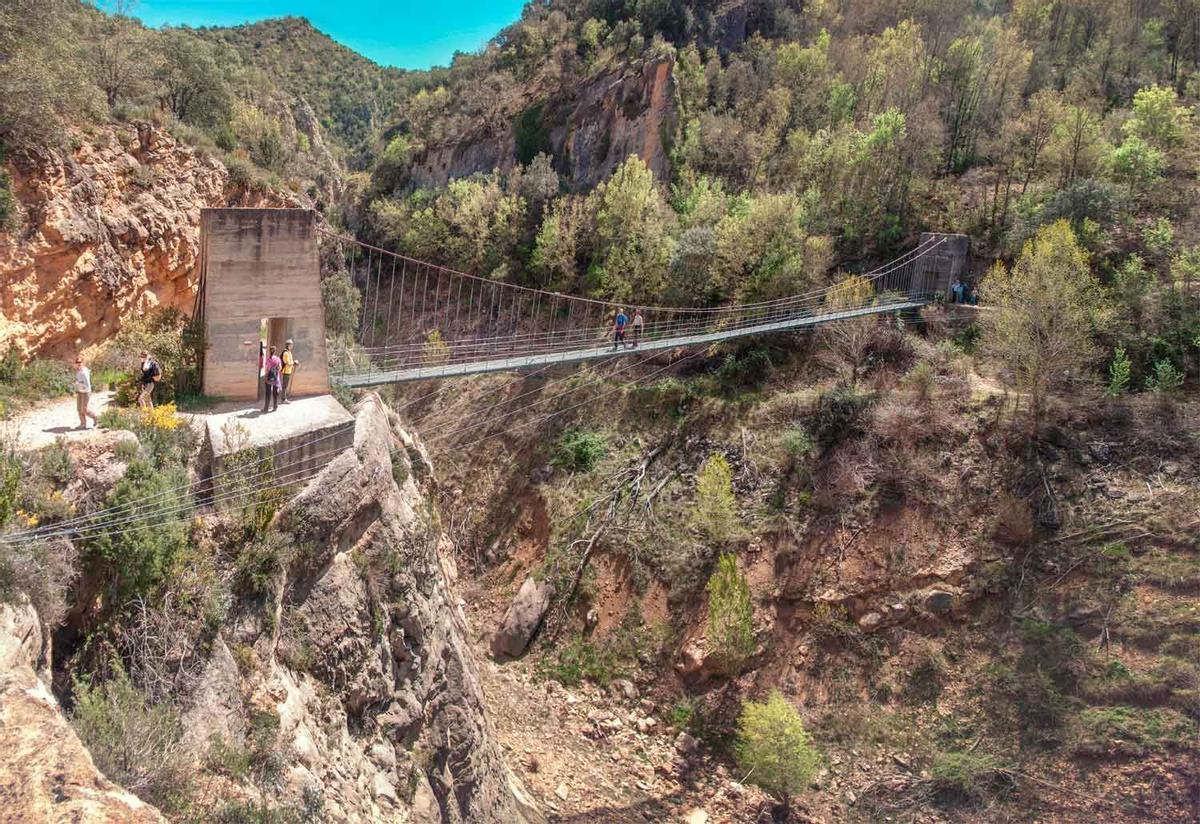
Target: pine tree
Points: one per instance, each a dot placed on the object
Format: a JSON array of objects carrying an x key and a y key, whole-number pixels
[
  {"x": 715, "y": 512},
  {"x": 730, "y": 615},
  {"x": 774, "y": 749}
]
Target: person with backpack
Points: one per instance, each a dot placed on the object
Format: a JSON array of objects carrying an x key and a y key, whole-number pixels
[
  {"x": 289, "y": 366},
  {"x": 151, "y": 375},
  {"x": 619, "y": 324},
  {"x": 271, "y": 381}
]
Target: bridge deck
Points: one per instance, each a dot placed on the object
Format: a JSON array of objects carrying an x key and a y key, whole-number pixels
[{"x": 594, "y": 353}]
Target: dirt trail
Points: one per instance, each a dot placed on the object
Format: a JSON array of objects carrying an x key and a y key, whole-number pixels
[{"x": 43, "y": 425}]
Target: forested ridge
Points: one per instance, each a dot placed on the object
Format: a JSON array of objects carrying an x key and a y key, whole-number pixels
[{"x": 793, "y": 139}]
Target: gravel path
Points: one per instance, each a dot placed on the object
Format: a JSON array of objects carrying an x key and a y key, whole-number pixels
[{"x": 41, "y": 426}]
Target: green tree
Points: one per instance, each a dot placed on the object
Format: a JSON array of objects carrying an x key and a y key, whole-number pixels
[
  {"x": 192, "y": 79},
  {"x": 715, "y": 512},
  {"x": 1158, "y": 117},
  {"x": 1043, "y": 313},
  {"x": 120, "y": 54},
  {"x": 1118, "y": 372},
  {"x": 633, "y": 244},
  {"x": 44, "y": 85},
  {"x": 1164, "y": 378},
  {"x": 774, "y": 749},
  {"x": 730, "y": 615},
  {"x": 1137, "y": 163},
  {"x": 556, "y": 245}
]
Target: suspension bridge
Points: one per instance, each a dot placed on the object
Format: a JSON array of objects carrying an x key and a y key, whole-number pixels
[
  {"x": 422, "y": 321},
  {"x": 261, "y": 269}
]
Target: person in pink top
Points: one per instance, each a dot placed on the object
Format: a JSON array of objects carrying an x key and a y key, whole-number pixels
[{"x": 272, "y": 383}]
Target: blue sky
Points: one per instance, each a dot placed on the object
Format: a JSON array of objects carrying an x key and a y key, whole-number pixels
[{"x": 401, "y": 33}]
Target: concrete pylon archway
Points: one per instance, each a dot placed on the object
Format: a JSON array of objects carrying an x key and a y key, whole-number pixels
[{"x": 259, "y": 268}]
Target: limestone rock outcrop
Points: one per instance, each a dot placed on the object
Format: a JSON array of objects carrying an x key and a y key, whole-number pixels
[
  {"x": 596, "y": 127},
  {"x": 46, "y": 774},
  {"x": 107, "y": 229},
  {"x": 383, "y": 710}
]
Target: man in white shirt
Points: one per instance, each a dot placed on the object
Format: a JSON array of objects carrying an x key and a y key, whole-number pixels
[{"x": 83, "y": 394}]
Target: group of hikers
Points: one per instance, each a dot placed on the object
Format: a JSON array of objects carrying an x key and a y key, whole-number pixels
[
  {"x": 276, "y": 373},
  {"x": 621, "y": 322},
  {"x": 961, "y": 293},
  {"x": 149, "y": 374}
]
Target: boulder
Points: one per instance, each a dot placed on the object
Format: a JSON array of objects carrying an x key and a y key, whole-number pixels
[
  {"x": 522, "y": 620},
  {"x": 938, "y": 601},
  {"x": 870, "y": 621}
]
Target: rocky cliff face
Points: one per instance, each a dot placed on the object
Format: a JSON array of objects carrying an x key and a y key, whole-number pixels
[
  {"x": 46, "y": 774},
  {"x": 594, "y": 128},
  {"x": 355, "y": 675},
  {"x": 368, "y": 668},
  {"x": 109, "y": 228}
]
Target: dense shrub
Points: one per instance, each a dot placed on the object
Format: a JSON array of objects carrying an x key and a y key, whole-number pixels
[
  {"x": 43, "y": 571},
  {"x": 838, "y": 415},
  {"x": 165, "y": 436},
  {"x": 260, "y": 563},
  {"x": 8, "y": 203},
  {"x": 579, "y": 450},
  {"x": 133, "y": 741},
  {"x": 748, "y": 369},
  {"x": 152, "y": 505},
  {"x": 968, "y": 776},
  {"x": 11, "y": 471},
  {"x": 343, "y": 305},
  {"x": 22, "y": 383},
  {"x": 773, "y": 748},
  {"x": 175, "y": 343}
]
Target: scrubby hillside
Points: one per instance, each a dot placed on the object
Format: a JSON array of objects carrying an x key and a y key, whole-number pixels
[
  {"x": 352, "y": 96},
  {"x": 975, "y": 625},
  {"x": 294, "y": 658}
]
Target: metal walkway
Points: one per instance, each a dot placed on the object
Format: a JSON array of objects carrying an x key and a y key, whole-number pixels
[{"x": 375, "y": 378}]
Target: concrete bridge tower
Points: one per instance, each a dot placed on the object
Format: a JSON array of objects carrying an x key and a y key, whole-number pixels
[{"x": 259, "y": 272}]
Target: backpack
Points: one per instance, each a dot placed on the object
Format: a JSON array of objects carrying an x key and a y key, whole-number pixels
[
  {"x": 273, "y": 374},
  {"x": 155, "y": 372}
]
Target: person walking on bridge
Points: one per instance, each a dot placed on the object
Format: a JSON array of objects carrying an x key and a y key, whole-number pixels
[
  {"x": 638, "y": 323},
  {"x": 289, "y": 367},
  {"x": 83, "y": 394},
  {"x": 619, "y": 324},
  {"x": 271, "y": 381}
]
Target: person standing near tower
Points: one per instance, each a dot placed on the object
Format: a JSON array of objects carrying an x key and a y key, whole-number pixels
[{"x": 289, "y": 368}]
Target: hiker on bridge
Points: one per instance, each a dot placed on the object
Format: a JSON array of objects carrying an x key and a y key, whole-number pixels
[
  {"x": 271, "y": 381},
  {"x": 151, "y": 375},
  {"x": 619, "y": 324},
  {"x": 289, "y": 367},
  {"x": 638, "y": 324},
  {"x": 83, "y": 394}
]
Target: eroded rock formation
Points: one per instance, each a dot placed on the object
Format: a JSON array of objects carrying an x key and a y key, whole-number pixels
[
  {"x": 106, "y": 230},
  {"x": 387, "y": 712},
  {"x": 46, "y": 774},
  {"x": 595, "y": 127}
]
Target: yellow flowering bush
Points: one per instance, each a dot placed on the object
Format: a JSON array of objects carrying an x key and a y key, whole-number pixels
[{"x": 165, "y": 417}]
